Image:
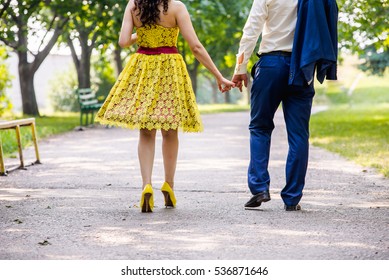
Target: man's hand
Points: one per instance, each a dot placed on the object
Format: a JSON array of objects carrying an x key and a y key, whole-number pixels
[{"x": 237, "y": 79}]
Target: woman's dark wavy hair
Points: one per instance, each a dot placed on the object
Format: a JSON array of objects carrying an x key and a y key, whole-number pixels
[{"x": 148, "y": 10}]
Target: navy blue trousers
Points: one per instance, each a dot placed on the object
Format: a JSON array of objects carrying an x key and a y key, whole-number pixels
[{"x": 270, "y": 89}]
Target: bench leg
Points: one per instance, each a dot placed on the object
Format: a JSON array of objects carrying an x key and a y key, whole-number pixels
[
  {"x": 34, "y": 139},
  {"x": 18, "y": 138},
  {"x": 87, "y": 118},
  {"x": 81, "y": 118},
  {"x": 2, "y": 166}
]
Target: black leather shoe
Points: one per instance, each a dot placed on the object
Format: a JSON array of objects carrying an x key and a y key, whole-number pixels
[
  {"x": 292, "y": 207},
  {"x": 257, "y": 199}
]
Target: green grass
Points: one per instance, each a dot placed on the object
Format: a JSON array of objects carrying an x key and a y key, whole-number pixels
[
  {"x": 360, "y": 134},
  {"x": 356, "y": 126},
  {"x": 45, "y": 125}
]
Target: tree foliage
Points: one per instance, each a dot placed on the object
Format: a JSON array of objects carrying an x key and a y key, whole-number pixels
[
  {"x": 21, "y": 21},
  {"x": 87, "y": 28},
  {"x": 364, "y": 29},
  {"x": 218, "y": 25},
  {"x": 92, "y": 26},
  {"x": 5, "y": 82}
]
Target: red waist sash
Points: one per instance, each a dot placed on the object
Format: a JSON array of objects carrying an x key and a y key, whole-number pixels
[{"x": 159, "y": 50}]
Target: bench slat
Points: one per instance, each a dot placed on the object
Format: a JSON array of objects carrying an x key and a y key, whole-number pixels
[
  {"x": 14, "y": 123},
  {"x": 84, "y": 90},
  {"x": 88, "y": 96},
  {"x": 89, "y": 102}
]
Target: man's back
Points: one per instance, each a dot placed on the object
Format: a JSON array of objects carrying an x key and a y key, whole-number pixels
[
  {"x": 276, "y": 21},
  {"x": 279, "y": 27}
]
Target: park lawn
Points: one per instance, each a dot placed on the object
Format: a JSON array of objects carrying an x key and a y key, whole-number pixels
[
  {"x": 356, "y": 125},
  {"x": 359, "y": 134},
  {"x": 46, "y": 126}
]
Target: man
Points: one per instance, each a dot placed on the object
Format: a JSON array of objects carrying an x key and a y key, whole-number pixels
[{"x": 277, "y": 82}]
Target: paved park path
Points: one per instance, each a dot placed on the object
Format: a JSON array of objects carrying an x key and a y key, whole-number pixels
[{"x": 82, "y": 202}]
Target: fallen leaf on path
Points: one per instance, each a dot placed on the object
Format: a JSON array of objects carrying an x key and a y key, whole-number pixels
[{"x": 44, "y": 243}]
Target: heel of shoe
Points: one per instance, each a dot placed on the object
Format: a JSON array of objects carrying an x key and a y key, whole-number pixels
[
  {"x": 146, "y": 202},
  {"x": 168, "y": 193}
]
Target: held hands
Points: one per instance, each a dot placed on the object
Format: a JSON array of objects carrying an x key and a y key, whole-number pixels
[
  {"x": 239, "y": 80},
  {"x": 224, "y": 84}
]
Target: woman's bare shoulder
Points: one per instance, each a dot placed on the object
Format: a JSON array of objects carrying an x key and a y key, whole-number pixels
[
  {"x": 131, "y": 3},
  {"x": 178, "y": 5}
]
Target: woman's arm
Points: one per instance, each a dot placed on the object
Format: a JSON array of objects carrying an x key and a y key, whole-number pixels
[
  {"x": 126, "y": 38},
  {"x": 185, "y": 24}
]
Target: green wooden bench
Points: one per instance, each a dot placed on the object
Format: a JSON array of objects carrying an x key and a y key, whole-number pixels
[
  {"x": 16, "y": 124},
  {"x": 89, "y": 104}
]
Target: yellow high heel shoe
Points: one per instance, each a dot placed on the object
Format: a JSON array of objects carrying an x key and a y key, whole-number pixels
[
  {"x": 170, "y": 199},
  {"x": 147, "y": 200}
]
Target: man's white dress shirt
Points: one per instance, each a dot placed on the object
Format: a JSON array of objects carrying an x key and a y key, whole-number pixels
[{"x": 276, "y": 20}]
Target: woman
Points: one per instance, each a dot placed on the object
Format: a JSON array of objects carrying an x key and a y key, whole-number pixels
[{"x": 154, "y": 90}]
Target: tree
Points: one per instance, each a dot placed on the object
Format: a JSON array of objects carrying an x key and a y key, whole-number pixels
[
  {"x": 218, "y": 25},
  {"x": 86, "y": 29},
  {"x": 364, "y": 29},
  {"x": 19, "y": 22},
  {"x": 225, "y": 36},
  {"x": 112, "y": 33}
]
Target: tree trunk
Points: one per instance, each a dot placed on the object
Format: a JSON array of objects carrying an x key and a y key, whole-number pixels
[
  {"x": 215, "y": 91},
  {"x": 26, "y": 77},
  {"x": 84, "y": 70},
  {"x": 227, "y": 97},
  {"x": 193, "y": 75},
  {"x": 118, "y": 60},
  {"x": 27, "y": 70},
  {"x": 82, "y": 64}
]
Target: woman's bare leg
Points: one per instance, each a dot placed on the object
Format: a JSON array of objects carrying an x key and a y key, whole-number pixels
[
  {"x": 146, "y": 151},
  {"x": 170, "y": 153}
]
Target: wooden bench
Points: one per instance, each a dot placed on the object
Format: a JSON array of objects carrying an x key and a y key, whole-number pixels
[
  {"x": 88, "y": 105},
  {"x": 16, "y": 124}
]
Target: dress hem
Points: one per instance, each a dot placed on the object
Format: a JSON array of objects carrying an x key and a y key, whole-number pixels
[{"x": 142, "y": 126}]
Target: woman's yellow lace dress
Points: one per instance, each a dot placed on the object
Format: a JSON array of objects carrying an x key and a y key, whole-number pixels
[{"x": 153, "y": 91}]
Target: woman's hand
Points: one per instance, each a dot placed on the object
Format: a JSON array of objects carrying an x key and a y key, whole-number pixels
[{"x": 224, "y": 84}]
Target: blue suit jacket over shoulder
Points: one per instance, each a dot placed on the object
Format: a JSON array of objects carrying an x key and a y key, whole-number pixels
[{"x": 315, "y": 43}]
